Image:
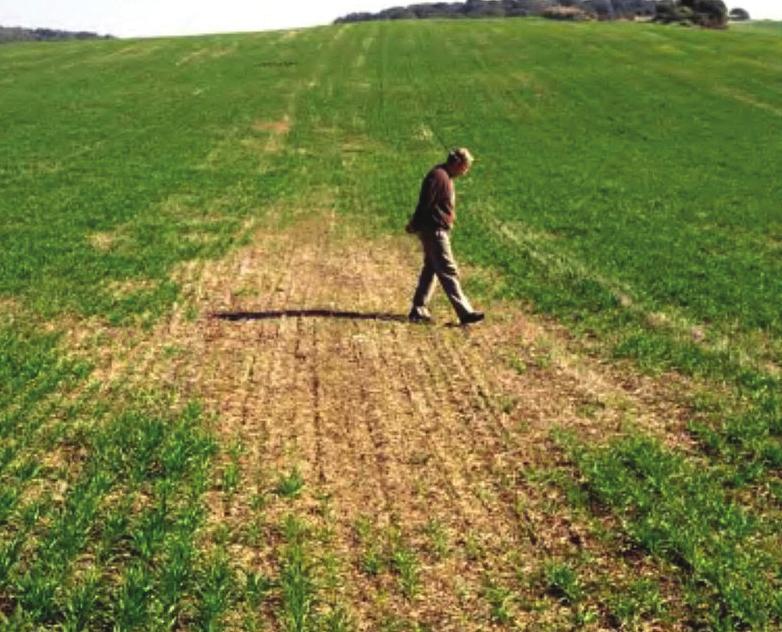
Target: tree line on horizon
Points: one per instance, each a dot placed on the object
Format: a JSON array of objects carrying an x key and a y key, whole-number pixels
[
  {"x": 21, "y": 34},
  {"x": 707, "y": 13}
]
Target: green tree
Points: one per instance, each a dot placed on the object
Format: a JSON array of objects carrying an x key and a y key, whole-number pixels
[
  {"x": 738, "y": 14},
  {"x": 706, "y": 13}
]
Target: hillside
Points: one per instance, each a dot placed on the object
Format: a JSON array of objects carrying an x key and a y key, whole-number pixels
[{"x": 214, "y": 415}]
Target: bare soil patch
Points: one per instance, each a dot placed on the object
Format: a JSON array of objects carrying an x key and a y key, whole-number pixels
[
  {"x": 277, "y": 131},
  {"x": 103, "y": 241},
  {"x": 426, "y": 436},
  {"x": 282, "y": 126}
]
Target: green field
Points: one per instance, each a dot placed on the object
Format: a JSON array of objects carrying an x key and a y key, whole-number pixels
[{"x": 626, "y": 188}]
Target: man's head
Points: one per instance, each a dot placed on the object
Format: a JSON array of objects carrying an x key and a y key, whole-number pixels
[{"x": 459, "y": 161}]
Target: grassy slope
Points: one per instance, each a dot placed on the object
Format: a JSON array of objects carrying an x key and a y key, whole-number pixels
[
  {"x": 626, "y": 184},
  {"x": 609, "y": 140}
]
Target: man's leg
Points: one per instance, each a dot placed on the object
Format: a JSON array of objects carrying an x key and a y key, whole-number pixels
[
  {"x": 425, "y": 288},
  {"x": 445, "y": 268}
]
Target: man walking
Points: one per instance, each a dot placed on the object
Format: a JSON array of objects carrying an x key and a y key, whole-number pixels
[{"x": 432, "y": 221}]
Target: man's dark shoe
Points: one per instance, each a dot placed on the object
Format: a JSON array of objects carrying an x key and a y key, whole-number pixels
[
  {"x": 472, "y": 317},
  {"x": 420, "y": 316}
]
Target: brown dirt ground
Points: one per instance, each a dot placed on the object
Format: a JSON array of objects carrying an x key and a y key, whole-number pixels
[{"x": 410, "y": 429}]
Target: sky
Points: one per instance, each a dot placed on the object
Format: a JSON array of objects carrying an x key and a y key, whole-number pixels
[{"x": 146, "y": 18}]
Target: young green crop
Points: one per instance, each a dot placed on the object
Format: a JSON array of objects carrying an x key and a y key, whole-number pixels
[
  {"x": 676, "y": 511},
  {"x": 625, "y": 185}
]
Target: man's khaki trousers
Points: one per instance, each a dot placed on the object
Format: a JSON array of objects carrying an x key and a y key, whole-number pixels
[{"x": 439, "y": 262}]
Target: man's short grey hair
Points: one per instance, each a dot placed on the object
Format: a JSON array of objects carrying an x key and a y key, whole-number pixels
[{"x": 459, "y": 156}]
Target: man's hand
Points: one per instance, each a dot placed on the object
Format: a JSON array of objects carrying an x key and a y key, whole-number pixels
[{"x": 410, "y": 229}]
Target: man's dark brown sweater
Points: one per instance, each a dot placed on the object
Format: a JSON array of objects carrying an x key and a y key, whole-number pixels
[{"x": 436, "y": 203}]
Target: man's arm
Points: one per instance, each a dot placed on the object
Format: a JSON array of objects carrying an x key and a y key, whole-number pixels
[{"x": 443, "y": 202}]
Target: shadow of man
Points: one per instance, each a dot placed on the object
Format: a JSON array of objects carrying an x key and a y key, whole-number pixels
[{"x": 309, "y": 313}]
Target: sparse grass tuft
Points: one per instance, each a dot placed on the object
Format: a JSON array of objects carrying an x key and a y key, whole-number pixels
[
  {"x": 438, "y": 538},
  {"x": 232, "y": 471},
  {"x": 563, "y": 583},
  {"x": 639, "y": 601},
  {"x": 290, "y": 485},
  {"x": 296, "y": 582},
  {"x": 405, "y": 563},
  {"x": 388, "y": 550},
  {"x": 500, "y": 602}
]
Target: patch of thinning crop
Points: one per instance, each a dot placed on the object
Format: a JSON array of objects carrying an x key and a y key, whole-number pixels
[
  {"x": 280, "y": 127},
  {"x": 128, "y": 287},
  {"x": 119, "y": 54},
  {"x": 103, "y": 241},
  {"x": 208, "y": 52},
  {"x": 423, "y": 132},
  {"x": 281, "y": 388}
]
